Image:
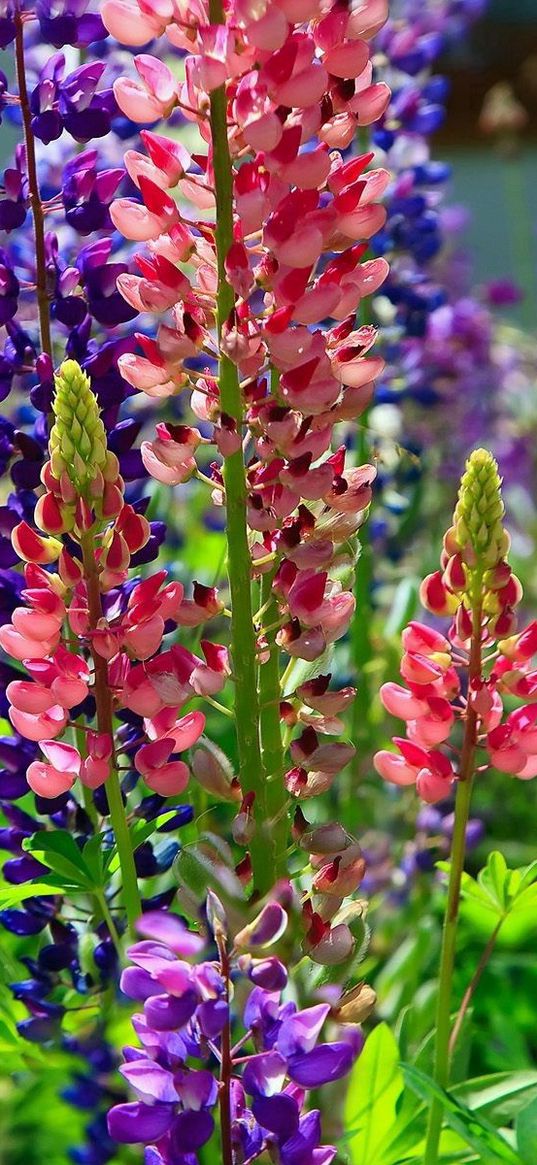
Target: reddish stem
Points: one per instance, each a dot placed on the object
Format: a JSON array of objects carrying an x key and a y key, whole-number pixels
[
  {"x": 43, "y": 300},
  {"x": 226, "y": 1067}
]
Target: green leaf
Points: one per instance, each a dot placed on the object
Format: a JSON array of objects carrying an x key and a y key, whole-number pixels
[
  {"x": 93, "y": 856},
  {"x": 58, "y": 850},
  {"x": 375, "y": 1086},
  {"x": 474, "y": 1130},
  {"x": 495, "y": 878},
  {"x": 526, "y": 1133},
  {"x": 528, "y": 876},
  {"x": 500, "y": 1095},
  {"x": 207, "y": 865},
  {"x": 11, "y": 895}
]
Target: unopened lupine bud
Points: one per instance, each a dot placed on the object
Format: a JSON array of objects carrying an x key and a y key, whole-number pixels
[
  {"x": 78, "y": 438},
  {"x": 356, "y": 1005},
  {"x": 212, "y": 769},
  {"x": 477, "y": 521}
]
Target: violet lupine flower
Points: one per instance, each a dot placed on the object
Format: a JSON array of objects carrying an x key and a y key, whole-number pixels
[
  {"x": 87, "y": 193},
  {"x": 14, "y": 204},
  {"x": 438, "y": 339},
  {"x": 188, "y": 1011},
  {"x": 69, "y": 22},
  {"x": 91, "y": 1090},
  {"x": 71, "y": 102}
]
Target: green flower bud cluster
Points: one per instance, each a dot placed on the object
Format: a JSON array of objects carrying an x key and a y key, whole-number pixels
[
  {"x": 78, "y": 438},
  {"x": 478, "y": 519}
]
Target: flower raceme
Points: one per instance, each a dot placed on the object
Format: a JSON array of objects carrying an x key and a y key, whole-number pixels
[
  {"x": 477, "y": 589},
  {"x": 83, "y": 499},
  {"x": 188, "y": 1008},
  {"x": 250, "y": 243}
]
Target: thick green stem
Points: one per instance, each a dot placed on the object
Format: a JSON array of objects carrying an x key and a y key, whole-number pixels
[
  {"x": 271, "y": 732},
  {"x": 105, "y": 723},
  {"x": 449, "y": 935},
  {"x": 43, "y": 300},
  {"x": 234, "y": 470}
]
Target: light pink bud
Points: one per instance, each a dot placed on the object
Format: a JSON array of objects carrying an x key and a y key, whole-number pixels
[
  {"x": 394, "y": 768},
  {"x": 168, "y": 780},
  {"x": 22, "y": 648},
  {"x": 126, "y": 21},
  {"x": 398, "y": 701},
  {"x": 434, "y": 727}
]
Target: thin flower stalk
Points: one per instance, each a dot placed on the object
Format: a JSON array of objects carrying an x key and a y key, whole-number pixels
[
  {"x": 485, "y": 659},
  {"x": 42, "y": 293}
]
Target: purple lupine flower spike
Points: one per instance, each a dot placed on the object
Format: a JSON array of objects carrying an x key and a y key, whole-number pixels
[{"x": 185, "y": 1023}]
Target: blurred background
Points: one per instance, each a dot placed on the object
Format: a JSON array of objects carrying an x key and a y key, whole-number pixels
[{"x": 490, "y": 138}]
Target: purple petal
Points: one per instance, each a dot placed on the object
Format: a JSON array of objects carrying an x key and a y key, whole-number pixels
[
  {"x": 138, "y": 984},
  {"x": 134, "y": 1124},
  {"x": 169, "y": 929},
  {"x": 212, "y": 1017},
  {"x": 176, "y": 977},
  {"x": 264, "y": 1075},
  {"x": 269, "y": 974},
  {"x": 166, "y": 1012},
  {"x": 300, "y": 1032},
  {"x": 197, "y": 1089},
  {"x": 191, "y": 1130},
  {"x": 278, "y": 1114},
  {"x": 150, "y": 1081},
  {"x": 325, "y": 1063}
]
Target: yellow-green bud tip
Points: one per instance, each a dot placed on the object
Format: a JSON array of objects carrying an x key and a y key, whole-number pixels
[
  {"x": 78, "y": 438},
  {"x": 478, "y": 517}
]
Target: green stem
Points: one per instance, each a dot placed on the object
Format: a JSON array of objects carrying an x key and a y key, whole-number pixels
[
  {"x": 238, "y": 553},
  {"x": 105, "y": 723},
  {"x": 271, "y": 733},
  {"x": 449, "y": 935},
  {"x": 107, "y": 915}
]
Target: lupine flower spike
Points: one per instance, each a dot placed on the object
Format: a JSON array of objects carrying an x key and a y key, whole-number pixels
[
  {"x": 219, "y": 1037},
  {"x": 452, "y": 699},
  {"x": 90, "y": 533}
]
